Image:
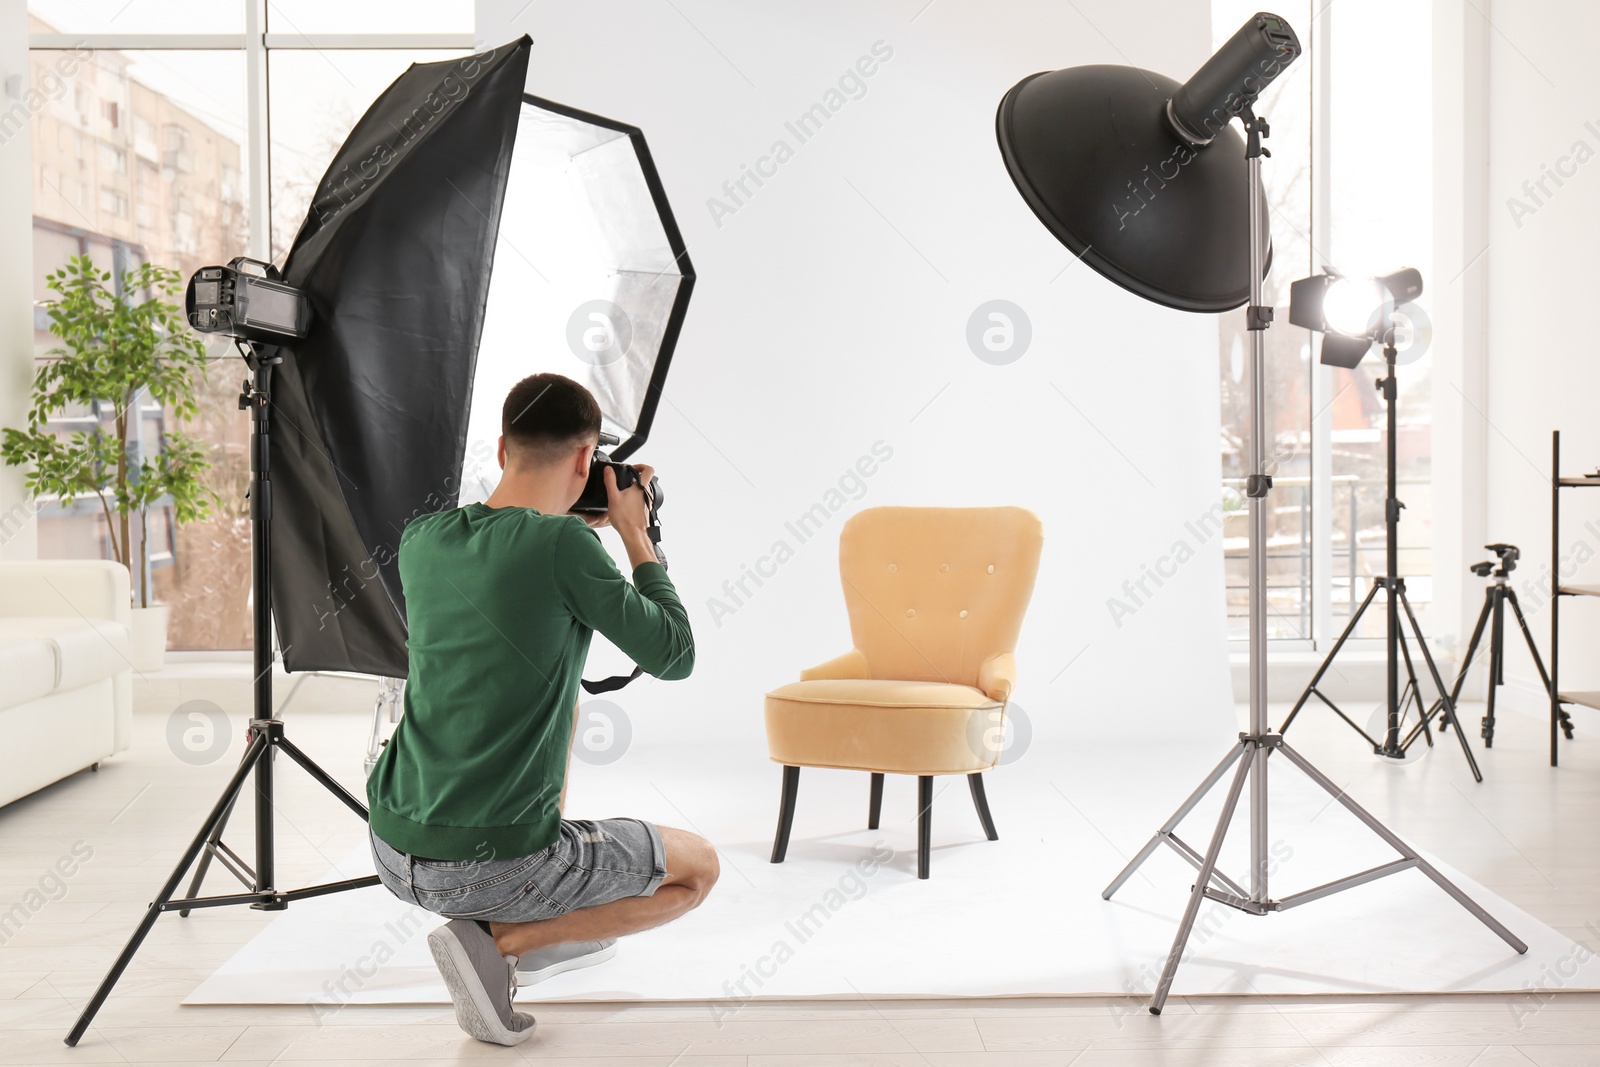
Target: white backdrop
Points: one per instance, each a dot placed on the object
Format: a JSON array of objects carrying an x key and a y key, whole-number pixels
[{"x": 831, "y": 318}]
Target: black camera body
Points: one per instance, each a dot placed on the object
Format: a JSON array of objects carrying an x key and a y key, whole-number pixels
[
  {"x": 594, "y": 490},
  {"x": 594, "y": 500}
]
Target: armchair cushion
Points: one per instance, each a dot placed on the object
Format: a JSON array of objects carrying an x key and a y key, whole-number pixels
[{"x": 882, "y": 725}]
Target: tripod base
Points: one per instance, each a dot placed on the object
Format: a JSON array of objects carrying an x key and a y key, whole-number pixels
[
  {"x": 266, "y": 737},
  {"x": 1493, "y": 618},
  {"x": 1212, "y": 884},
  {"x": 1393, "y": 745}
]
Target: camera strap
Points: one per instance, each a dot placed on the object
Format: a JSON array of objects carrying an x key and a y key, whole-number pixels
[
  {"x": 607, "y": 685},
  {"x": 617, "y": 681}
]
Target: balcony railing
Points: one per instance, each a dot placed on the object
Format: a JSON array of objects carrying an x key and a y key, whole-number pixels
[{"x": 1356, "y": 560}]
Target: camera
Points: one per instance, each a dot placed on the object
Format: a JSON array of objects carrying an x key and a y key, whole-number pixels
[
  {"x": 594, "y": 501},
  {"x": 594, "y": 498},
  {"x": 247, "y": 300}
]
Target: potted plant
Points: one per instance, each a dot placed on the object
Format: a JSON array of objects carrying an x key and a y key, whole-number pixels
[{"x": 119, "y": 348}]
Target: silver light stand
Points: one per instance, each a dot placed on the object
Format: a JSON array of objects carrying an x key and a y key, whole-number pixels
[{"x": 1260, "y": 742}]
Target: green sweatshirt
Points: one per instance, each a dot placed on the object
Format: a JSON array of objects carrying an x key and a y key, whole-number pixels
[{"x": 501, "y": 604}]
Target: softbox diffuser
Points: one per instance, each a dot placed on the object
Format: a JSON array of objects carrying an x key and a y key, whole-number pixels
[
  {"x": 591, "y": 279},
  {"x": 460, "y": 216}
]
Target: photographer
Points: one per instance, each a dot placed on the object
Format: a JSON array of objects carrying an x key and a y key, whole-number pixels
[{"x": 467, "y": 798}]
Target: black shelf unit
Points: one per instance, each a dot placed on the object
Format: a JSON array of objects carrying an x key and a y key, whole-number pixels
[{"x": 1587, "y": 698}]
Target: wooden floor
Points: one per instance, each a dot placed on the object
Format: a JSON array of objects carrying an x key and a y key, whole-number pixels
[{"x": 1527, "y": 832}]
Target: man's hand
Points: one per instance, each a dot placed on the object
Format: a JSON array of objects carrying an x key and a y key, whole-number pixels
[{"x": 628, "y": 511}]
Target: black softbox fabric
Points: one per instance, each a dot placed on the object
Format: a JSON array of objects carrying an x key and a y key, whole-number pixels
[{"x": 369, "y": 414}]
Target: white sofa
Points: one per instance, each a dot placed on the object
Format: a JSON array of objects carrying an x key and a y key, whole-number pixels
[{"x": 66, "y": 683}]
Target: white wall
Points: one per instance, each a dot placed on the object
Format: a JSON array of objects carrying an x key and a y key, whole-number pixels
[
  {"x": 17, "y": 526},
  {"x": 831, "y": 314},
  {"x": 1543, "y": 110},
  {"x": 1458, "y": 296}
]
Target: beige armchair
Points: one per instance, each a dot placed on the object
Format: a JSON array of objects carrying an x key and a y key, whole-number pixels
[{"x": 936, "y": 598}]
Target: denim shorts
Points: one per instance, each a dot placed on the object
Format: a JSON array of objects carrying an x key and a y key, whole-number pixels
[{"x": 590, "y": 863}]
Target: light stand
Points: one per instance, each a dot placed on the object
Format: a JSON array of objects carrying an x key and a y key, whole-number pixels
[
  {"x": 1256, "y": 745},
  {"x": 1398, "y": 702},
  {"x": 265, "y": 736}
]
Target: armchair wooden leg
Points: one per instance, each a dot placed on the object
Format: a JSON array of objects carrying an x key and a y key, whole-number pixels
[
  {"x": 791, "y": 788},
  {"x": 875, "y": 802},
  {"x": 924, "y": 823},
  {"x": 980, "y": 800}
]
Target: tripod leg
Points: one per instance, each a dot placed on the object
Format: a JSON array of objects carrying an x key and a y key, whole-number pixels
[
  {"x": 1393, "y": 841},
  {"x": 1202, "y": 880},
  {"x": 1444, "y": 695},
  {"x": 1472, "y": 652},
  {"x": 230, "y": 794},
  {"x": 1497, "y": 668},
  {"x": 1412, "y": 691},
  {"x": 1355, "y": 618},
  {"x": 1533, "y": 650},
  {"x": 323, "y": 777},
  {"x": 205, "y": 857},
  {"x": 1172, "y": 824}
]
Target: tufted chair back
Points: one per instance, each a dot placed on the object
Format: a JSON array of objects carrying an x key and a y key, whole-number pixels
[{"x": 938, "y": 594}]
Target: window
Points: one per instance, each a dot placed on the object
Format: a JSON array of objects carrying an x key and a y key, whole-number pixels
[
  {"x": 1326, "y": 427},
  {"x": 1371, "y": 232},
  {"x": 180, "y": 110},
  {"x": 316, "y": 98},
  {"x": 144, "y": 138},
  {"x": 113, "y": 159},
  {"x": 1288, "y": 448},
  {"x": 114, "y": 202}
]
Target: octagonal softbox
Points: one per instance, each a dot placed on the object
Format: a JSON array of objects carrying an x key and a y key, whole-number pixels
[{"x": 465, "y": 235}]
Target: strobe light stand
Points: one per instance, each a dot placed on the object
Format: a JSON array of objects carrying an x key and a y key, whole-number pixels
[
  {"x": 265, "y": 737},
  {"x": 1398, "y": 702},
  {"x": 1250, "y": 755}
]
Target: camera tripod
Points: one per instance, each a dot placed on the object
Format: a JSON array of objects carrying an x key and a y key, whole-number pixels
[
  {"x": 265, "y": 735},
  {"x": 1398, "y": 702},
  {"x": 1496, "y": 597}
]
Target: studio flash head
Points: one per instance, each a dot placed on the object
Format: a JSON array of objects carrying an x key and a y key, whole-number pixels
[{"x": 247, "y": 300}]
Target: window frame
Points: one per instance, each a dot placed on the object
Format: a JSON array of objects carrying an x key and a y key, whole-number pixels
[
  {"x": 1324, "y": 627},
  {"x": 255, "y": 43}
]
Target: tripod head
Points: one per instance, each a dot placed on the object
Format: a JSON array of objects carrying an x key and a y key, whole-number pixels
[{"x": 1508, "y": 554}]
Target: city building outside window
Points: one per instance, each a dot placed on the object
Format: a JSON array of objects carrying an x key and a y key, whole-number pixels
[{"x": 146, "y": 155}]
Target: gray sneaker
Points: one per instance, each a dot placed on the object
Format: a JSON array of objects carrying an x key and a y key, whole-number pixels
[
  {"x": 479, "y": 980},
  {"x": 551, "y": 960}
]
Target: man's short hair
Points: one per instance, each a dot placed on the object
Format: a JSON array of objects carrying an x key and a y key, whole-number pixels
[{"x": 547, "y": 416}]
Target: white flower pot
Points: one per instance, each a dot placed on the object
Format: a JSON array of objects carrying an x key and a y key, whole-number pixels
[{"x": 149, "y": 652}]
